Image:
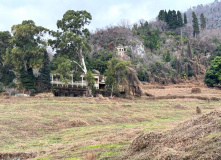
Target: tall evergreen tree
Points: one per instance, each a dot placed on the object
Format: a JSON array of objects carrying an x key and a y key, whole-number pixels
[
  {"x": 169, "y": 16},
  {"x": 161, "y": 15},
  {"x": 166, "y": 15},
  {"x": 185, "y": 18},
  {"x": 202, "y": 21},
  {"x": 195, "y": 21},
  {"x": 43, "y": 81},
  {"x": 173, "y": 20},
  {"x": 179, "y": 19}
]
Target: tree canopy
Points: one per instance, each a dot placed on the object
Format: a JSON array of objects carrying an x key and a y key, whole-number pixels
[
  {"x": 71, "y": 41},
  {"x": 173, "y": 18},
  {"x": 185, "y": 18},
  {"x": 195, "y": 21},
  {"x": 213, "y": 74},
  {"x": 29, "y": 45},
  {"x": 202, "y": 21}
]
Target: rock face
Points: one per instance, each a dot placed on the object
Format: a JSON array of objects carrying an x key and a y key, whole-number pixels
[
  {"x": 128, "y": 52},
  {"x": 138, "y": 50},
  {"x": 122, "y": 40}
]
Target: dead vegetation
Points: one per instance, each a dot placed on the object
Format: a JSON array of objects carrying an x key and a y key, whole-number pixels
[
  {"x": 91, "y": 156},
  {"x": 17, "y": 156},
  {"x": 186, "y": 141},
  {"x": 78, "y": 123},
  {"x": 134, "y": 82},
  {"x": 44, "y": 95},
  {"x": 196, "y": 90},
  {"x": 198, "y": 110}
]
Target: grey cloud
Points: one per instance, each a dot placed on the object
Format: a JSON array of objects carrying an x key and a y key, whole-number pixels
[{"x": 47, "y": 12}]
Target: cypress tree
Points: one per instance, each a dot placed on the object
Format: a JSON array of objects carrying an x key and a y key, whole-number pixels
[
  {"x": 162, "y": 16},
  {"x": 44, "y": 80},
  {"x": 185, "y": 19},
  {"x": 179, "y": 19},
  {"x": 166, "y": 15},
  {"x": 173, "y": 20},
  {"x": 169, "y": 16},
  {"x": 196, "y": 29},
  {"x": 202, "y": 21}
]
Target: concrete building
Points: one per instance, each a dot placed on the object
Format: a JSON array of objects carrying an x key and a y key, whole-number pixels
[{"x": 56, "y": 81}]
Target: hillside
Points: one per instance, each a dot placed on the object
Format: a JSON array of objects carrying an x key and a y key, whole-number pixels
[
  {"x": 157, "y": 53},
  {"x": 211, "y": 12}
]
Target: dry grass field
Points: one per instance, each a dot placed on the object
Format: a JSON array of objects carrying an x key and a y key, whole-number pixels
[{"x": 91, "y": 128}]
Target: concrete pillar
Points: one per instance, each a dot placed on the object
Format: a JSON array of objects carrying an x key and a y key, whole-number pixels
[{"x": 52, "y": 78}]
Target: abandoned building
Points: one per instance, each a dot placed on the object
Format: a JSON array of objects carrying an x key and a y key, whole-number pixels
[
  {"x": 75, "y": 88},
  {"x": 121, "y": 50}
]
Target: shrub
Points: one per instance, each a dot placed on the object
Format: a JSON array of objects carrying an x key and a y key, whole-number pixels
[{"x": 213, "y": 75}]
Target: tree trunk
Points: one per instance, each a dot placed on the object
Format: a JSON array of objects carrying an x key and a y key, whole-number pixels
[
  {"x": 89, "y": 92},
  {"x": 81, "y": 57}
]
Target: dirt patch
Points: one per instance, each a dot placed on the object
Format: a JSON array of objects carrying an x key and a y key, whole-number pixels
[
  {"x": 201, "y": 134},
  {"x": 196, "y": 90},
  {"x": 17, "y": 156}
]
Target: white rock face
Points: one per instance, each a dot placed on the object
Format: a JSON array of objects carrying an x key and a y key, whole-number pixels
[{"x": 138, "y": 50}]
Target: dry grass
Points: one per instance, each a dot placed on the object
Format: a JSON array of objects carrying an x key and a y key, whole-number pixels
[
  {"x": 196, "y": 90},
  {"x": 182, "y": 90},
  {"x": 91, "y": 156},
  {"x": 62, "y": 127},
  {"x": 186, "y": 141}
]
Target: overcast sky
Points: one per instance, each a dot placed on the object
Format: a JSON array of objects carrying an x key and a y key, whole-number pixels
[{"x": 104, "y": 12}]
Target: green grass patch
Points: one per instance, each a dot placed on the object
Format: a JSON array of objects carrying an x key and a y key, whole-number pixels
[{"x": 213, "y": 135}]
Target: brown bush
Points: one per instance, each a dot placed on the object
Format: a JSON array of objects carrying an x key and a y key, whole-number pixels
[{"x": 196, "y": 90}]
